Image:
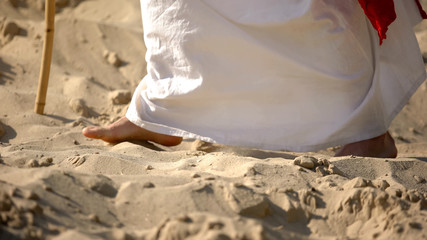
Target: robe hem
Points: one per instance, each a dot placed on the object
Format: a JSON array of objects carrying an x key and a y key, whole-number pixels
[{"x": 159, "y": 128}]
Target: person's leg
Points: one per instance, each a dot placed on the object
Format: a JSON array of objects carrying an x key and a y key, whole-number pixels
[
  {"x": 382, "y": 146},
  {"x": 124, "y": 130}
]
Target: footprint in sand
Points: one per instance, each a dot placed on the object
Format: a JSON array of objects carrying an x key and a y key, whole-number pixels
[{"x": 77, "y": 160}]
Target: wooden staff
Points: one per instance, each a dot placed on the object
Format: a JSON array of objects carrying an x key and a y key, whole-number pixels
[{"x": 47, "y": 56}]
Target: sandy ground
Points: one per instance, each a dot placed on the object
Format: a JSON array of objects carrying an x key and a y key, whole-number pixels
[{"x": 56, "y": 184}]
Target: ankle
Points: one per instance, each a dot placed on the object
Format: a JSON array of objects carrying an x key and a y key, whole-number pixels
[
  {"x": 382, "y": 146},
  {"x": 167, "y": 140}
]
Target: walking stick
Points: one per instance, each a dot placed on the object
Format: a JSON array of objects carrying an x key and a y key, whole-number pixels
[{"x": 47, "y": 56}]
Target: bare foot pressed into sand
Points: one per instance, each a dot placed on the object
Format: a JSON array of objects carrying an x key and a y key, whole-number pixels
[
  {"x": 382, "y": 147},
  {"x": 124, "y": 130}
]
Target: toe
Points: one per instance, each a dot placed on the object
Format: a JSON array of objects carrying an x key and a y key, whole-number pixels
[{"x": 93, "y": 132}]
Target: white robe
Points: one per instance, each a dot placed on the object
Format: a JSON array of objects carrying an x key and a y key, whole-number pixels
[{"x": 297, "y": 75}]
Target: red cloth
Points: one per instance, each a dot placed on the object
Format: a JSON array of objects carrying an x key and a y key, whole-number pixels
[
  {"x": 423, "y": 14},
  {"x": 381, "y": 14}
]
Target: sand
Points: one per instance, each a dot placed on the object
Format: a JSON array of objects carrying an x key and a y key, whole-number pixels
[{"x": 56, "y": 184}]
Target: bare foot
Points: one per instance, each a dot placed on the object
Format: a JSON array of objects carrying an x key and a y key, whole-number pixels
[
  {"x": 382, "y": 147},
  {"x": 124, "y": 130}
]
